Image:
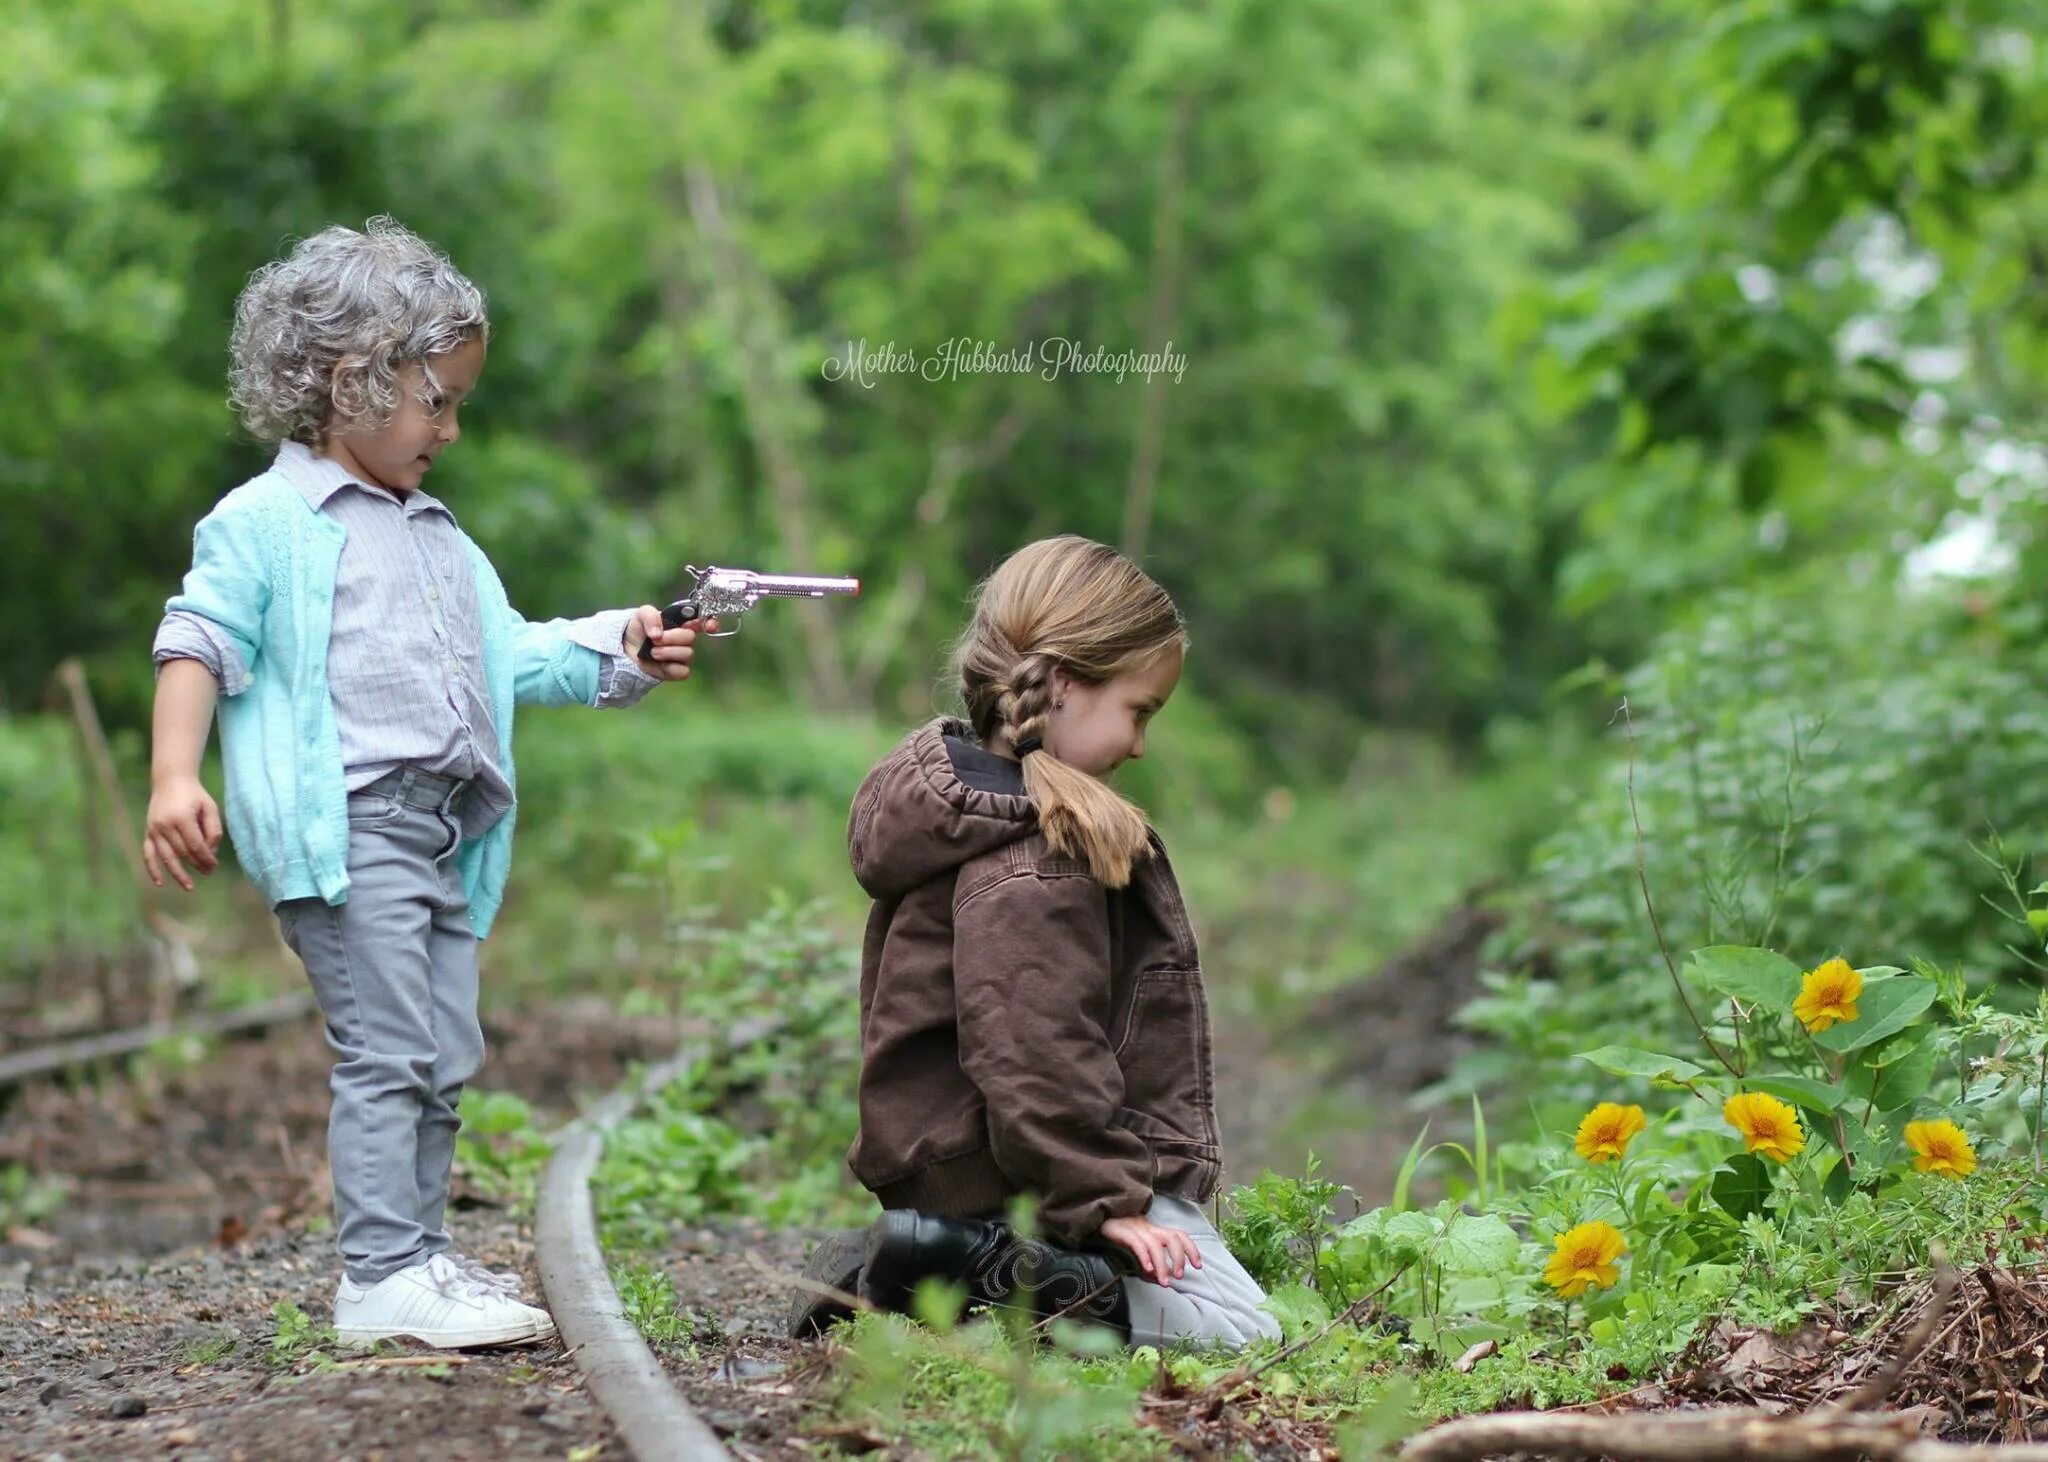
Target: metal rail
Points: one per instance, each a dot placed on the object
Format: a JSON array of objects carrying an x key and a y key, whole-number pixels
[{"x": 624, "y": 1376}]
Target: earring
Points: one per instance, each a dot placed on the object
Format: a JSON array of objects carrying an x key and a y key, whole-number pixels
[{"x": 1059, "y": 705}]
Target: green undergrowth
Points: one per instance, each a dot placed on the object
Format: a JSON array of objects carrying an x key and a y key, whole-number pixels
[{"x": 758, "y": 1128}]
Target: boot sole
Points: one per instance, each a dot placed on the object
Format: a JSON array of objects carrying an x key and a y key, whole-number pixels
[{"x": 839, "y": 1262}]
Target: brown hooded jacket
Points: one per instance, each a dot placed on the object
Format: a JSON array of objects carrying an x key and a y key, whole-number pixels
[{"x": 1023, "y": 1029}]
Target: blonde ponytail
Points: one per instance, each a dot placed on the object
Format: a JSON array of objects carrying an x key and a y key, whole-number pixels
[
  {"x": 1074, "y": 605},
  {"x": 1086, "y": 818}
]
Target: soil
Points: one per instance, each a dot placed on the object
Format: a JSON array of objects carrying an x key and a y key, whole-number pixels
[
  {"x": 743, "y": 1376},
  {"x": 122, "y": 1358},
  {"x": 138, "y": 1320}
]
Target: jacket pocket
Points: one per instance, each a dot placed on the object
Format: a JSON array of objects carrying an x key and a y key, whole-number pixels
[{"x": 1164, "y": 1055}]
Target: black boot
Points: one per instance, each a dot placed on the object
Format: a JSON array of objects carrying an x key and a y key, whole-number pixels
[
  {"x": 996, "y": 1266},
  {"x": 837, "y": 1263}
]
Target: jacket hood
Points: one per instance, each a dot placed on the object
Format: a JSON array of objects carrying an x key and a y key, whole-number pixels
[{"x": 915, "y": 819}]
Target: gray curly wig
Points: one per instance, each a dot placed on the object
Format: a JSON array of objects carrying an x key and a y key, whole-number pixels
[{"x": 321, "y": 334}]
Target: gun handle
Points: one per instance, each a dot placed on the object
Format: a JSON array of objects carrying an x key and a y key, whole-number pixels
[{"x": 673, "y": 616}]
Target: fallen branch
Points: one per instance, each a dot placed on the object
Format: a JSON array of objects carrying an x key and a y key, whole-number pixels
[{"x": 1738, "y": 1434}]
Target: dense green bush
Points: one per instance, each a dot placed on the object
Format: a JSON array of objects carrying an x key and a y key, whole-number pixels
[{"x": 1805, "y": 781}]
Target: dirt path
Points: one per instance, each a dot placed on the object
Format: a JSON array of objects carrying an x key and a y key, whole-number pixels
[
  {"x": 179, "y": 1356},
  {"x": 140, "y": 1319}
]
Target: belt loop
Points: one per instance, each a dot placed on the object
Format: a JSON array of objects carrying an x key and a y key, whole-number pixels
[{"x": 403, "y": 792}]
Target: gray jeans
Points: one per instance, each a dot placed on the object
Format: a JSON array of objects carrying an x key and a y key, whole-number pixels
[
  {"x": 395, "y": 971},
  {"x": 1218, "y": 1304}
]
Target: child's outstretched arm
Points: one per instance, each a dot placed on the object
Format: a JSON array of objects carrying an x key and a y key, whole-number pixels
[{"x": 183, "y": 822}]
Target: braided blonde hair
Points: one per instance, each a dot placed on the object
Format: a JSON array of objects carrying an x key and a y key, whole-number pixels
[{"x": 1069, "y": 604}]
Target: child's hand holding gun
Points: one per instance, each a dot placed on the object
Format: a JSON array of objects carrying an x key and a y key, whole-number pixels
[{"x": 663, "y": 639}]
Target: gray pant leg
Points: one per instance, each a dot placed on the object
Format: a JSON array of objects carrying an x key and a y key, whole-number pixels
[
  {"x": 458, "y": 1043},
  {"x": 1216, "y": 1305},
  {"x": 372, "y": 962}
]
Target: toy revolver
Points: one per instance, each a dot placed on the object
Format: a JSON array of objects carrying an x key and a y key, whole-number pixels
[{"x": 726, "y": 594}]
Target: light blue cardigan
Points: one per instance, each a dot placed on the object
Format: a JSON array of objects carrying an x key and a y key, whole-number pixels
[{"x": 263, "y": 569}]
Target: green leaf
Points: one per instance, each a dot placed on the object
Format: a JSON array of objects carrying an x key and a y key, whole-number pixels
[
  {"x": 1884, "y": 1008},
  {"x": 1742, "y": 1185},
  {"x": 1479, "y": 1147},
  {"x": 1478, "y": 1245},
  {"x": 1896, "y": 1075},
  {"x": 1299, "y": 1309},
  {"x": 1760, "y": 976},
  {"x": 1409, "y": 1234},
  {"x": 1839, "y": 1185},
  {"x": 1628, "y": 1061},
  {"x": 1407, "y": 1173},
  {"x": 1801, "y": 1091}
]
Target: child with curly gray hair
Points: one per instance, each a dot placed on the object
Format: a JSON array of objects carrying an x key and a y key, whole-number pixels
[{"x": 364, "y": 663}]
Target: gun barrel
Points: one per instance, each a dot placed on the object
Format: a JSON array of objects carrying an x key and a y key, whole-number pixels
[{"x": 802, "y": 586}]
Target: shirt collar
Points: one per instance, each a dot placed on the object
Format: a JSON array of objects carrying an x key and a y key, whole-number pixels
[{"x": 319, "y": 478}]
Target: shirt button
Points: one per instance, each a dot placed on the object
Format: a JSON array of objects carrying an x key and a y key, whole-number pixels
[
  {"x": 433, "y": 596},
  {"x": 454, "y": 668}
]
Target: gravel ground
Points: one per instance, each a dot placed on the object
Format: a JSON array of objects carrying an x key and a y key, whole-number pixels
[
  {"x": 138, "y": 1319},
  {"x": 742, "y": 1375},
  {"x": 124, "y": 1358}
]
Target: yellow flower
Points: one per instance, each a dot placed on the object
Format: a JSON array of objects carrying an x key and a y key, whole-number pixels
[
  {"x": 1585, "y": 1259},
  {"x": 1941, "y": 1147},
  {"x": 1606, "y": 1130},
  {"x": 1827, "y": 995},
  {"x": 1767, "y": 1125}
]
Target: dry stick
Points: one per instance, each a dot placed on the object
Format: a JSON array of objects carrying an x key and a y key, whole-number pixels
[
  {"x": 1739, "y": 1434},
  {"x": 804, "y": 1282},
  {"x": 1643, "y": 877}
]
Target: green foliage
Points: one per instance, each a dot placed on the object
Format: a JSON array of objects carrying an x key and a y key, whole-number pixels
[
  {"x": 1277, "y": 1224},
  {"x": 762, "y": 1129},
  {"x": 297, "y": 1337},
  {"x": 206, "y": 1350},
  {"x": 979, "y": 1392},
  {"x": 648, "y": 1297},
  {"x": 1803, "y": 786},
  {"x": 50, "y": 901},
  {"x": 26, "y": 1200},
  {"x": 499, "y": 1148}
]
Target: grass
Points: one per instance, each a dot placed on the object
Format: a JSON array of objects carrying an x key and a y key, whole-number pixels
[
  {"x": 648, "y": 1297},
  {"x": 207, "y": 1350}
]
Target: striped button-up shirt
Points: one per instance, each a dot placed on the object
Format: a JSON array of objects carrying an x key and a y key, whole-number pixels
[{"x": 405, "y": 659}]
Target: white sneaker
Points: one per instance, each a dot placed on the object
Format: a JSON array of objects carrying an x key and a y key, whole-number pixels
[
  {"x": 502, "y": 1282},
  {"x": 436, "y": 1302}
]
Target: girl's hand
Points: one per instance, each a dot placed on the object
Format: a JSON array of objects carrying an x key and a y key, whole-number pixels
[
  {"x": 672, "y": 647},
  {"x": 183, "y": 823},
  {"x": 1160, "y": 1252}
]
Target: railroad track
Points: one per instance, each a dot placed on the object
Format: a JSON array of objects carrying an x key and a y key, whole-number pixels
[{"x": 623, "y": 1375}]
